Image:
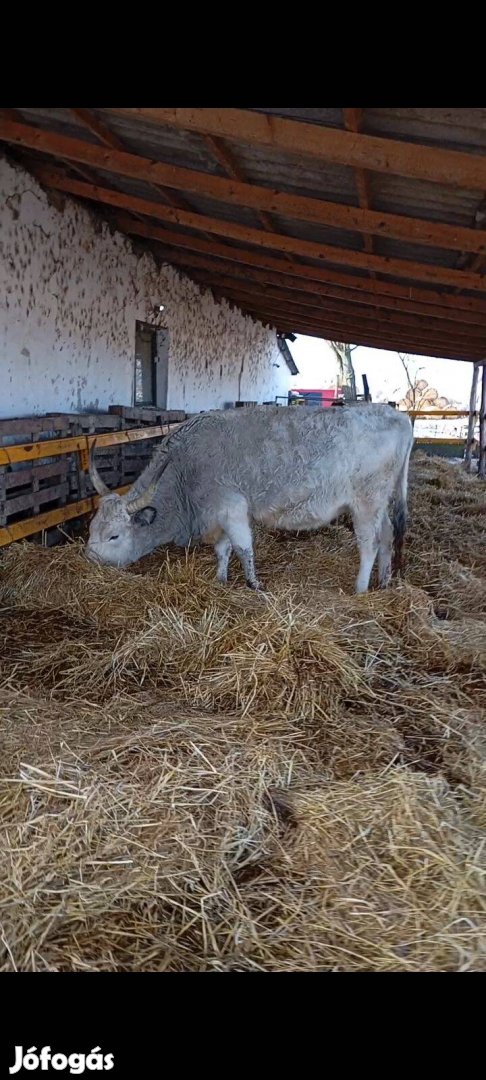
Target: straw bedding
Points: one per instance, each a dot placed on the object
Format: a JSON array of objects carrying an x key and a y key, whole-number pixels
[{"x": 199, "y": 778}]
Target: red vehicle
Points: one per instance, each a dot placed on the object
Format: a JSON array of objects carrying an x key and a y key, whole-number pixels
[{"x": 324, "y": 398}]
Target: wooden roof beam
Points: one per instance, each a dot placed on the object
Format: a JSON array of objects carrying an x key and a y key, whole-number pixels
[
  {"x": 322, "y": 314},
  {"x": 412, "y": 331},
  {"x": 296, "y": 284},
  {"x": 276, "y": 241},
  {"x": 288, "y": 312},
  {"x": 227, "y": 160},
  {"x": 108, "y": 138},
  {"x": 340, "y": 332},
  {"x": 453, "y": 168},
  {"x": 98, "y": 128},
  {"x": 102, "y": 132},
  {"x": 352, "y": 122},
  {"x": 453, "y": 307},
  {"x": 14, "y": 116},
  {"x": 475, "y": 262},
  {"x": 239, "y": 193},
  {"x": 263, "y": 310},
  {"x": 446, "y": 334}
]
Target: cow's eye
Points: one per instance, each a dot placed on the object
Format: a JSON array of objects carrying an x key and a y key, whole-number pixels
[{"x": 114, "y": 537}]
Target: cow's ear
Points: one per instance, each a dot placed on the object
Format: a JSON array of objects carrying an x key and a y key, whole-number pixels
[{"x": 146, "y": 516}]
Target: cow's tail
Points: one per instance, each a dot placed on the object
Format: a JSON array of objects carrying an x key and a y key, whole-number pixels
[{"x": 400, "y": 512}]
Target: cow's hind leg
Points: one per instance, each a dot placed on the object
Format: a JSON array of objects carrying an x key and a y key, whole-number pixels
[
  {"x": 222, "y": 550},
  {"x": 385, "y": 552},
  {"x": 367, "y": 528}
]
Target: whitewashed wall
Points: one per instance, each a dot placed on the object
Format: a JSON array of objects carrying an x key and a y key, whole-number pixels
[{"x": 70, "y": 295}]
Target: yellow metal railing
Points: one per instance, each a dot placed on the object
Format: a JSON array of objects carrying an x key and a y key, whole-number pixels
[
  {"x": 438, "y": 414},
  {"x": 80, "y": 443},
  {"x": 438, "y": 439}
]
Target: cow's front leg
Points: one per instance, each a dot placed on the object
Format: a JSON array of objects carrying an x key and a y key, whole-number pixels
[
  {"x": 234, "y": 521},
  {"x": 222, "y": 550},
  {"x": 247, "y": 560},
  {"x": 238, "y": 530}
]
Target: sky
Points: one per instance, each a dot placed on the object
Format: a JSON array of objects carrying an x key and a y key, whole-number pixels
[{"x": 386, "y": 376}]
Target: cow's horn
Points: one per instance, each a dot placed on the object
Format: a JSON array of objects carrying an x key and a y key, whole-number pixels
[
  {"x": 144, "y": 498},
  {"x": 98, "y": 484}
]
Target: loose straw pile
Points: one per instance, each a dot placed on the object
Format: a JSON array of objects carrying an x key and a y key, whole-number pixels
[{"x": 199, "y": 778}]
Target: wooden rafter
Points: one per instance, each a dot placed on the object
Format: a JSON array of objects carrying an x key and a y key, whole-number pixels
[
  {"x": 284, "y": 295},
  {"x": 228, "y": 162},
  {"x": 464, "y": 308},
  {"x": 288, "y": 316},
  {"x": 352, "y": 122},
  {"x": 273, "y": 241},
  {"x": 300, "y": 324},
  {"x": 475, "y": 262},
  {"x": 454, "y": 168},
  {"x": 292, "y": 316},
  {"x": 14, "y": 116},
  {"x": 469, "y": 323},
  {"x": 341, "y": 333},
  {"x": 108, "y": 138},
  {"x": 97, "y": 127},
  {"x": 251, "y": 196},
  {"x": 277, "y": 302}
]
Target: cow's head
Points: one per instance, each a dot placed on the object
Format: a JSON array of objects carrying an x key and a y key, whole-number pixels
[{"x": 125, "y": 527}]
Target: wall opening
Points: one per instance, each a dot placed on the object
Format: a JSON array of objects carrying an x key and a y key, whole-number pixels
[{"x": 151, "y": 365}]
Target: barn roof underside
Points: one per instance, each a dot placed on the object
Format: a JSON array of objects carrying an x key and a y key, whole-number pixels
[{"x": 365, "y": 226}]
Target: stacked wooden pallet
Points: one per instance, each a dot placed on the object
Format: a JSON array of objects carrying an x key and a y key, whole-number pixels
[
  {"x": 135, "y": 456},
  {"x": 108, "y": 458},
  {"x": 27, "y": 489}
]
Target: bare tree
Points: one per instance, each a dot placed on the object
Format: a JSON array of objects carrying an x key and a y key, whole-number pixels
[
  {"x": 419, "y": 394},
  {"x": 346, "y": 375},
  {"x": 413, "y": 387}
]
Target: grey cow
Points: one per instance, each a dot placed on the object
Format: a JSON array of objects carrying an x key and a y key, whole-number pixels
[{"x": 285, "y": 468}]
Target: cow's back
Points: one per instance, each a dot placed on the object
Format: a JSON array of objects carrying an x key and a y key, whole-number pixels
[{"x": 274, "y": 445}]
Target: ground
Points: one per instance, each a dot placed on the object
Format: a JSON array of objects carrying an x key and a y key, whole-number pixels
[{"x": 201, "y": 778}]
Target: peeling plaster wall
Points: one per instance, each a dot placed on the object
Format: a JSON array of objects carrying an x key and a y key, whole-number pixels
[{"x": 70, "y": 295}]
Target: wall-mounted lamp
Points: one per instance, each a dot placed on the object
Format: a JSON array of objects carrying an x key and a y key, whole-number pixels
[{"x": 158, "y": 308}]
